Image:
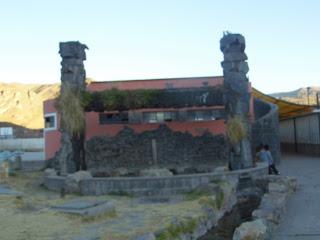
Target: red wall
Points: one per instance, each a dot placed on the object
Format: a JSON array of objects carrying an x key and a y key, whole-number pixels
[
  {"x": 51, "y": 137},
  {"x": 196, "y": 128}
]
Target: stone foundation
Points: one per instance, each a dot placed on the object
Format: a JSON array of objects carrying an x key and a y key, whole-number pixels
[{"x": 151, "y": 186}]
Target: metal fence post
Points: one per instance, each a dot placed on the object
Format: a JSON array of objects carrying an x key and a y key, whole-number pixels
[{"x": 295, "y": 135}]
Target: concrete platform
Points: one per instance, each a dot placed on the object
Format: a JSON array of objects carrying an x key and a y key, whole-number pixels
[
  {"x": 86, "y": 208},
  {"x": 6, "y": 191}
]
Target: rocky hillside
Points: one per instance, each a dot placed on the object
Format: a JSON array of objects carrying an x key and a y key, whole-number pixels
[
  {"x": 22, "y": 104},
  {"x": 299, "y": 96}
]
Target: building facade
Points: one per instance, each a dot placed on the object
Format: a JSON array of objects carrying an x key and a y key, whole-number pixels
[{"x": 185, "y": 132}]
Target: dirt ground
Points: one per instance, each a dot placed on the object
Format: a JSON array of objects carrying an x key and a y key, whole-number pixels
[{"x": 31, "y": 217}]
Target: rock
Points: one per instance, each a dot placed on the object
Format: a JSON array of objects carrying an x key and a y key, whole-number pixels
[
  {"x": 255, "y": 230},
  {"x": 278, "y": 187},
  {"x": 293, "y": 183},
  {"x": 72, "y": 181},
  {"x": 118, "y": 172},
  {"x": 274, "y": 201},
  {"x": 49, "y": 172},
  {"x": 270, "y": 215},
  {"x": 155, "y": 172},
  {"x": 220, "y": 169},
  {"x": 147, "y": 236}
]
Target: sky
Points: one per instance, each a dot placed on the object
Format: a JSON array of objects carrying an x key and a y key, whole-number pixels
[{"x": 143, "y": 39}]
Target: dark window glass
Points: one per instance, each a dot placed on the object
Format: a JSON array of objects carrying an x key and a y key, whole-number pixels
[
  {"x": 49, "y": 122},
  {"x": 113, "y": 118},
  {"x": 169, "y": 85}
]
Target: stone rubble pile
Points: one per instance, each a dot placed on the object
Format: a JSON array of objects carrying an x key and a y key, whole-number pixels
[{"x": 268, "y": 215}]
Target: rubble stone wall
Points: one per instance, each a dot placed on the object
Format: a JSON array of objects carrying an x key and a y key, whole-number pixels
[
  {"x": 160, "y": 148},
  {"x": 265, "y": 129}
]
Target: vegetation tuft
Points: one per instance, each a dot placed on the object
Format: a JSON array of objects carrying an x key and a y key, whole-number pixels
[
  {"x": 196, "y": 194},
  {"x": 236, "y": 130},
  {"x": 70, "y": 106},
  {"x": 115, "y": 99},
  {"x": 214, "y": 202},
  {"x": 173, "y": 231}
]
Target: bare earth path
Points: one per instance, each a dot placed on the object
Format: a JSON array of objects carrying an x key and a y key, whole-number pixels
[{"x": 302, "y": 218}]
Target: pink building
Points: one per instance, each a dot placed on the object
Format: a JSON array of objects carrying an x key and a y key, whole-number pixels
[{"x": 197, "y": 120}]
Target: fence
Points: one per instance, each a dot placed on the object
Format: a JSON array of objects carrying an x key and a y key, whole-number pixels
[
  {"x": 24, "y": 144},
  {"x": 301, "y": 134}
]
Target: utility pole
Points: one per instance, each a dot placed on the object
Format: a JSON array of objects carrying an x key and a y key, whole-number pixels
[{"x": 308, "y": 94}]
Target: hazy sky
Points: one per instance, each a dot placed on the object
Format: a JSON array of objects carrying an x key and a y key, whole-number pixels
[{"x": 137, "y": 39}]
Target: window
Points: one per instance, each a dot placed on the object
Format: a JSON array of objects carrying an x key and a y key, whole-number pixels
[
  {"x": 6, "y": 132},
  {"x": 113, "y": 118},
  {"x": 50, "y": 121},
  {"x": 201, "y": 115},
  {"x": 205, "y": 84},
  {"x": 169, "y": 85},
  {"x": 156, "y": 117}
]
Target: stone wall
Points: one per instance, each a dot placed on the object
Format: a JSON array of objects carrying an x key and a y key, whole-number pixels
[
  {"x": 156, "y": 186},
  {"x": 161, "y": 148},
  {"x": 265, "y": 129}
]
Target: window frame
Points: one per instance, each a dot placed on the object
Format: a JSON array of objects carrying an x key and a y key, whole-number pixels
[{"x": 54, "y": 115}]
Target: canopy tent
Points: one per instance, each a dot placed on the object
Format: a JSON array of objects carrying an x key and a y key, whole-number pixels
[{"x": 286, "y": 109}]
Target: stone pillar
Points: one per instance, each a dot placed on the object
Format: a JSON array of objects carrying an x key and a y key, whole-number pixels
[
  {"x": 237, "y": 96},
  {"x": 73, "y": 76}
]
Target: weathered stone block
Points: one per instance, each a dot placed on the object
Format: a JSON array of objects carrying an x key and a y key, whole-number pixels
[
  {"x": 271, "y": 215},
  {"x": 49, "y": 172},
  {"x": 86, "y": 208},
  {"x": 155, "y": 172},
  {"x": 232, "y": 43},
  {"x": 72, "y": 181},
  {"x": 72, "y": 50},
  {"x": 255, "y": 230},
  {"x": 278, "y": 188},
  {"x": 235, "y": 56}
]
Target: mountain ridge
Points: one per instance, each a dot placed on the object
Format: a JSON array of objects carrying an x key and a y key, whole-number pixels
[{"x": 22, "y": 104}]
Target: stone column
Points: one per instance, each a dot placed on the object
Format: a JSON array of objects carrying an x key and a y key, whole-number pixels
[
  {"x": 237, "y": 96},
  {"x": 73, "y": 76}
]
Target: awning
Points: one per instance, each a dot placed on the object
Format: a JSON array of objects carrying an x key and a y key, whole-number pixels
[{"x": 286, "y": 109}]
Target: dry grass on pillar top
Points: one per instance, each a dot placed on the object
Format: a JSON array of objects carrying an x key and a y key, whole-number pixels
[
  {"x": 70, "y": 107},
  {"x": 236, "y": 130}
]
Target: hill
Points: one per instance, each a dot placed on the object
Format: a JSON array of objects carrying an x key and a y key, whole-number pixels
[
  {"x": 22, "y": 104},
  {"x": 299, "y": 96}
]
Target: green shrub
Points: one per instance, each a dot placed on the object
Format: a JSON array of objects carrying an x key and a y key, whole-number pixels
[{"x": 173, "y": 231}]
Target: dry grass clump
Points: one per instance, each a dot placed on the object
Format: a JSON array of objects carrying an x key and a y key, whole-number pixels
[
  {"x": 236, "y": 130},
  {"x": 70, "y": 106}
]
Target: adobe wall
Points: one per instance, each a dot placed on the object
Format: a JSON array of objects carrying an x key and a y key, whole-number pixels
[
  {"x": 161, "y": 147},
  {"x": 265, "y": 129}
]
